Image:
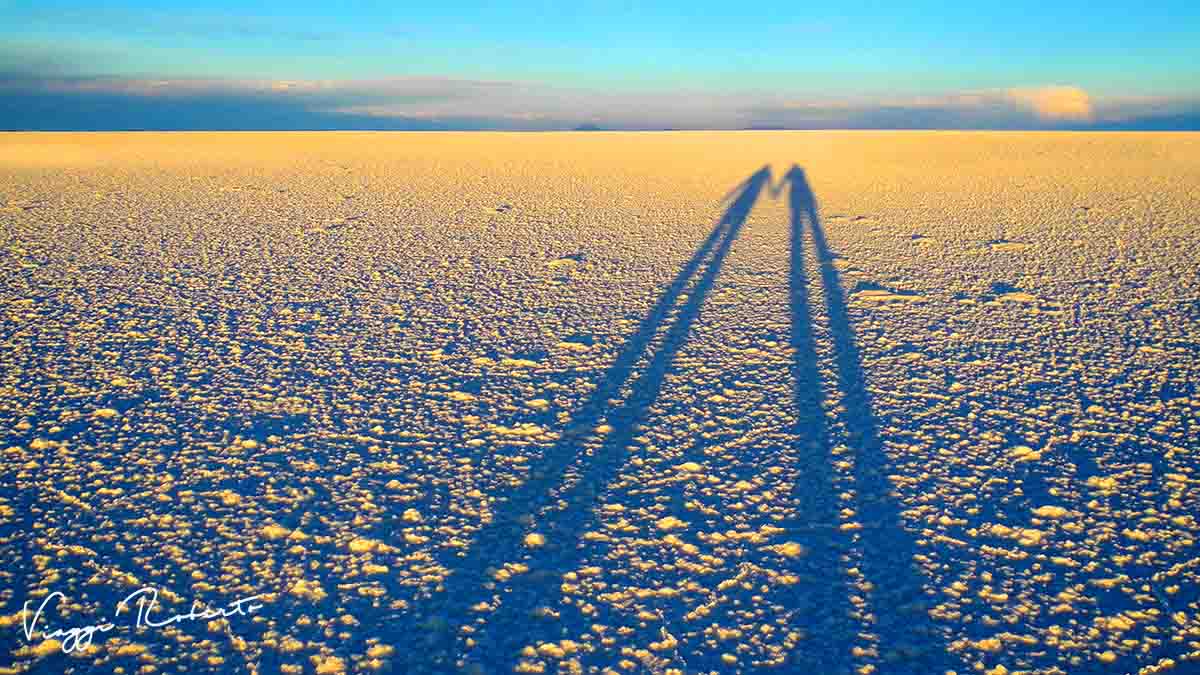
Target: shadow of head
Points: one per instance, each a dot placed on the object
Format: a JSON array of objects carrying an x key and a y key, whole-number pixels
[
  {"x": 750, "y": 187},
  {"x": 799, "y": 191}
]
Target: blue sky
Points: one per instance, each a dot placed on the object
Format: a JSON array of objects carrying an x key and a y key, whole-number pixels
[{"x": 618, "y": 64}]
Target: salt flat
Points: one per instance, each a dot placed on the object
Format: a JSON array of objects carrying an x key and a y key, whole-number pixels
[{"x": 891, "y": 402}]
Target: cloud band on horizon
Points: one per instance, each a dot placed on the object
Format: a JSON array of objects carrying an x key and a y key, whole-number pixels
[{"x": 31, "y": 101}]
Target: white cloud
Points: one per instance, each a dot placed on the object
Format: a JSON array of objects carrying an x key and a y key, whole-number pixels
[
  {"x": 1017, "y": 107},
  {"x": 1055, "y": 102}
]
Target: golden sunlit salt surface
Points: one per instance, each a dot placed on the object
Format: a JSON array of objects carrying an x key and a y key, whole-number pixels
[{"x": 580, "y": 403}]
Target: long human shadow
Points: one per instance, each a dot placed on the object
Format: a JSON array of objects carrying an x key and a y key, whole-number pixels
[
  {"x": 508, "y": 628},
  {"x": 827, "y": 594},
  {"x": 907, "y": 635}
]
